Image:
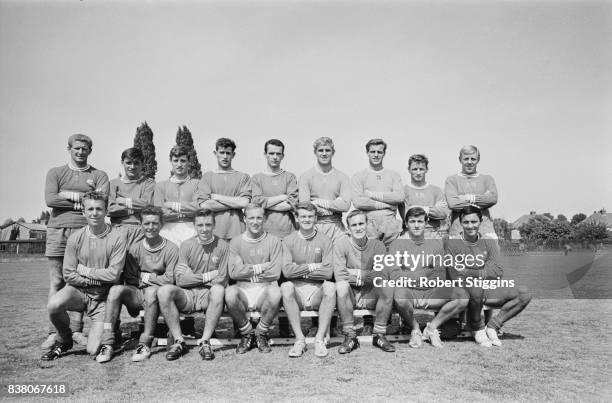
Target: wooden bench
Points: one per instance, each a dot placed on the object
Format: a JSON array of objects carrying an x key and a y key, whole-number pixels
[{"x": 358, "y": 313}]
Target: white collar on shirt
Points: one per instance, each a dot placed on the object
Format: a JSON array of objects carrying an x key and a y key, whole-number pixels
[
  {"x": 410, "y": 185},
  {"x": 75, "y": 168}
]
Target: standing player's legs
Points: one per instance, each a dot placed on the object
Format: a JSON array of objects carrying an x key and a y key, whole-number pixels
[
  {"x": 178, "y": 232},
  {"x": 54, "y": 250},
  {"x": 511, "y": 301},
  {"x": 334, "y": 230},
  {"x": 133, "y": 233},
  {"x": 384, "y": 228}
]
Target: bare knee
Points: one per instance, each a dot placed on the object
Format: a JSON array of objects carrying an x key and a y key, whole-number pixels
[
  {"x": 217, "y": 293},
  {"x": 56, "y": 304},
  {"x": 56, "y": 278},
  {"x": 232, "y": 295},
  {"x": 461, "y": 296},
  {"x": 165, "y": 294},
  {"x": 287, "y": 289},
  {"x": 150, "y": 296},
  {"x": 114, "y": 294},
  {"x": 274, "y": 294},
  {"x": 403, "y": 304},
  {"x": 386, "y": 295},
  {"x": 342, "y": 289},
  {"x": 524, "y": 295},
  {"x": 329, "y": 289}
]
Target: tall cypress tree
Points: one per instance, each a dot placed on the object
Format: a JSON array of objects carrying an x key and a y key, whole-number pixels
[
  {"x": 184, "y": 138},
  {"x": 143, "y": 140}
]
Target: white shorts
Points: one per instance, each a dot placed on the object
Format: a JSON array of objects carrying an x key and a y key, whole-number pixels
[
  {"x": 308, "y": 294},
  {"x": 178, "y": 232},
  {"x": 253, "y": 292}
]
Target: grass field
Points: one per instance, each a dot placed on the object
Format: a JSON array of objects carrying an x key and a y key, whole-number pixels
[{"x": 559, "y": 349}]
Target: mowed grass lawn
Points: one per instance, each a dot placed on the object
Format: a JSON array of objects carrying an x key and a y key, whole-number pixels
[{"x": 558, "y": 349}]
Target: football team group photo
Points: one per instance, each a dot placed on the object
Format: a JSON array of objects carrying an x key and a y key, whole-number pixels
[{"x": 289, "y": 201}]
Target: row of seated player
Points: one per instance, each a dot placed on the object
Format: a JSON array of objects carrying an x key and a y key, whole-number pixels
[
  {"x": 95, "y": 257},
  {"x": 377, "y": 191}
]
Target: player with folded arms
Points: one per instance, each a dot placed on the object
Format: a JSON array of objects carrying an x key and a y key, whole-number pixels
[
  {"x": 308, "y": 270},
  {"x": 201, "y": 276},
  {"x": 149, "y": 264}
]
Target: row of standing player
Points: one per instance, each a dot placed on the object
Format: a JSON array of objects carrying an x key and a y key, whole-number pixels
[{"x": 375, "y": 191}]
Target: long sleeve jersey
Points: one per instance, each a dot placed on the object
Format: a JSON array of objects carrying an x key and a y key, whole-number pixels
[
  {"x": 229, "y": 222},
  {"x": 483, "y": 192},
  {"x": 349, "y": 256},
  {"x": 386, "y": 189},
  {"x": 203, "y": 259},
  {"x": 475, "y": 259},
  {"x": 102, "y": 257},
  {"x": 184, "y": 193},
  {"x": 333, "y": 187},
  {"x": 69, "y": 213},
  {"x": 308, "y": 259},
  {"x": 417, "y": 259},
  {"x": 138, "y": 194},
  {"x": 255, "y": 260},
  {"x": 158, "y": 262},
  {"x": 266, "y": 185},
  {"x": 432, "y": 198}
]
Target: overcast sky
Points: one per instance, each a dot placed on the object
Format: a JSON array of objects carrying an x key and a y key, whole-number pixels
[{"x": 529, "y": 83}]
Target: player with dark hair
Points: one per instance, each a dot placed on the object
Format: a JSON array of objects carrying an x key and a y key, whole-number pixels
[
  {"x": 276, "y": 190},
  {"x": 378, "y": 192},
  {"x": 64, "y": 190},
  {"x": 93, "y": 262},
  {"x": 470, "y": 188},
  {"x": 149, "y": 264},
  {"x": 201, "y": 277},
  {"x": 328, "y": 189},
  {"x": 485, "y": 264},
  {"x": 225, "y": 192},
  {"x": 447, "y": 301},
  {"x": 354, "y": 274},
  {"x": 419, "y": 193},
  {"x": 308, "y": 269},
  {"x": 129, "y": 193},
  {"x": 255, "y": 263},
  {"x": 177, "y": 197}
]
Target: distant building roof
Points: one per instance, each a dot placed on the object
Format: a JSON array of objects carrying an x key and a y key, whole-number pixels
[
  {"x": 600, "y": 216},
  {"x": 524, "y": 219},
  {"x": 33, "y": 226}
]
